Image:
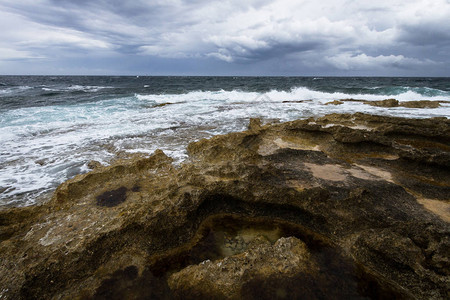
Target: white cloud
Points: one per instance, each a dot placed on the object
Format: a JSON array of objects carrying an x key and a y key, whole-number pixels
[
  {"x": 12, "y": 54},
  {"x": 222, "y": 55},
  {"x": 425, "y": 22},
  {"x": 348, "y": 61},
  {"x": 64, "y": 38},
  {"x": 26, "y": 36}
]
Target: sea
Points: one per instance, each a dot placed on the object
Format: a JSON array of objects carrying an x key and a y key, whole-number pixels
[{"x": 51, "y": 127}]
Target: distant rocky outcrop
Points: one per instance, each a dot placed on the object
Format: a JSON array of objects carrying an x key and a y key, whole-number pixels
[
  {"x": 334, "y": 102},
  {"x": 393, "y": 103},
  {"x": 339, "y": 207}
]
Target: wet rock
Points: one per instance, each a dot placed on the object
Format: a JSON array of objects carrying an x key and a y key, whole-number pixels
[
  {"x": 112, "y": 198},
  {"x": 93, "y": 164},
  {"x": 342, "y": 206},
  {"x": 225, "y": 278},
  {"x": 421, "y": 104},
  {"x": 387, "y": 249},
  {"x": 295, "y": 101},
  {"x": 335, "y": 102},
  {"x": 41, "y": 162},
  {"x": 393, "y": 103},
  {"x": 383, "y": 103},
  {"x": 163, "y": 104}
]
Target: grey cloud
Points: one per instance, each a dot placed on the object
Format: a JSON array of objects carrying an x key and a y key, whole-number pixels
[
  {"x": 244, "y": 54},
  {"x": 327, "y": 36},
  {"x": 423, "y": 35}
]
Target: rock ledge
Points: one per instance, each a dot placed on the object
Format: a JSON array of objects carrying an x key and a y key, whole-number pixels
[{"x": 343, "y": 206}]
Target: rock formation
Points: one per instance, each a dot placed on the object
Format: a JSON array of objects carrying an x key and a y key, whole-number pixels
[
  {"x": 393, "y": 103},
  {"x": 343, "y": 206}
]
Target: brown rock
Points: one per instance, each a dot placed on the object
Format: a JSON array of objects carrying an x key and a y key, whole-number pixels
[
  {"x": 226, "y": 278},
  {"x": 421, "y": 104},
  {"x": 163, "y": 104},
  {"x": 255, "y": 124},
  {"x": 335, "y": 102},
  {"x": 384, "y": 103},
  {"x": 93, "y": 164},
  {"x": 342, "y": 194},
  {"x": 396, "y": 103}
]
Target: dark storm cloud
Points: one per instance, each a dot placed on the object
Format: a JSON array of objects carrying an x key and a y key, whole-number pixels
[
  {"x": 424, "y": 35},
  {"x": 264, "y": 37}
]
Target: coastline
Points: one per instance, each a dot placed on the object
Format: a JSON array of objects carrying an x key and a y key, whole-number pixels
[
  {"x": 370, "y": 191},
  {"x": 42, "y": 155}
]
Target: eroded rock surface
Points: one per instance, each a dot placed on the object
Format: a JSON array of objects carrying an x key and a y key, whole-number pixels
[
  {"x": 343, "y": 206},
  {"x": 226, "y": 278}
]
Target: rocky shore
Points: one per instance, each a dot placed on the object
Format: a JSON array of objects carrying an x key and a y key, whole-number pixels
[{"x": 339, "y": 207}]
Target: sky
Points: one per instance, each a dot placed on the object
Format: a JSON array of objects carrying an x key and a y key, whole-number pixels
[{"x": 227, "y": 37}]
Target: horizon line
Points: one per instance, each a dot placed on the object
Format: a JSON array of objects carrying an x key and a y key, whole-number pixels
[{"x": 139, "y": 75}]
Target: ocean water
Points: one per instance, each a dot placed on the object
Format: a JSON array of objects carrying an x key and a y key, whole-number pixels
[{"x": 52, "y": 126}]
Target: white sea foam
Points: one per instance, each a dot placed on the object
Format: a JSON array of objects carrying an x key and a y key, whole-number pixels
[
  {"x": 42, "y": 146},
  {"x": 296, "y": 94},
  {"x": 15, "y": 89},
  {"x": 87, "y": 88},
  {"x": 49, "y": 89},
  {"x": 77, "y": 88}
]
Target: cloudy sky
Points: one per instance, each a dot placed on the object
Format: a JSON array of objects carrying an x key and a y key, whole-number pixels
[{"x": 228, "y": 37}]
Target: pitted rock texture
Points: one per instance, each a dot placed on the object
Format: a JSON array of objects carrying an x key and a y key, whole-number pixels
[{"x": 281, "y": 211}]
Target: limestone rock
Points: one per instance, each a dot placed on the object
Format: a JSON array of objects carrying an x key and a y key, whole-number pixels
[
  {"x": 343, "y": 206},
  {"x": 384, "y": 103},
  {"x": 393, "y": 103},
  {"x": 255, "y": 124},
  {"x": 226, "y": 278},
  {"x": 93, "y": 164},
  {"x": 421, "y": 104},
  {"x": 334, "y": 102}
]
